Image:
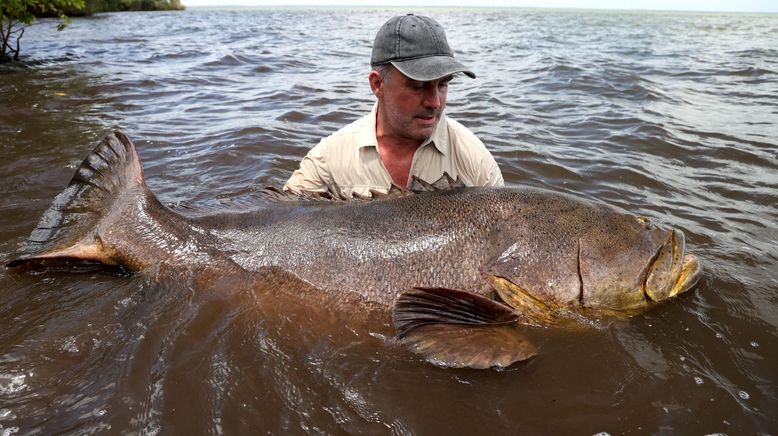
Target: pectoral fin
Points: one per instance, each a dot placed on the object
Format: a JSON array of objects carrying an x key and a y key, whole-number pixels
[{"x": 459, "y": 329}]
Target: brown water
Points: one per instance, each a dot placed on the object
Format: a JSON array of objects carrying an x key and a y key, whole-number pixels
[{"x": 670, "y": 115}]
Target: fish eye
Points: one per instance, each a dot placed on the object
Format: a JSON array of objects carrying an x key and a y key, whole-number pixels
[{"x": 645, "y": 222}]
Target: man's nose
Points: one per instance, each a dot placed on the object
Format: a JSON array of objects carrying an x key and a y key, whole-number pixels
[{"x": 432, "y": 97}]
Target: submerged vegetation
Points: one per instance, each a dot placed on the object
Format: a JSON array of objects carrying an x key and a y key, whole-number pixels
[{"x": 17, "y": 15}]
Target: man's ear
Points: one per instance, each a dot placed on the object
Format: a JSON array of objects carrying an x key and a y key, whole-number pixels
[{"x": 376, "y": 83}]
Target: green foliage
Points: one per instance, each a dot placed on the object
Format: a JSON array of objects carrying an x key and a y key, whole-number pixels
[
  {"x": 94, "y": 6},
  {"x": 17, "y": 15}
]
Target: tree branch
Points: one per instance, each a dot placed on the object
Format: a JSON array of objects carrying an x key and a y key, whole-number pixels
[
  {"x": 18, "y": 47},
  {"x": 7, "y": 34},
  {"x": 18, "y": 30}
]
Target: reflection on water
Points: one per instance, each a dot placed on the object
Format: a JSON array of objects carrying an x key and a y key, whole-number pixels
[{"x": 670, "y": 115}]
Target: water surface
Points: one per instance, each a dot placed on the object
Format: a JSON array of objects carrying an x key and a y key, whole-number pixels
[{"x": 672, "y": 115}]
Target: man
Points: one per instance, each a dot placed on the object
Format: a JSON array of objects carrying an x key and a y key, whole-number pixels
[{"x": 406, "y": 134}]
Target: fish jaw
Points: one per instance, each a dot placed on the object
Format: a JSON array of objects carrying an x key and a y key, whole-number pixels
[
  {"x": 691, "y": 272},
  {"x": 671, "y": 271}
]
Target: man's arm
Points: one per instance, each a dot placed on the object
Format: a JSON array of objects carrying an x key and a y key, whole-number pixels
[
  {"x": 478, "y": 163},
  {"x": 313, "y": 174},
  {"x": 492, "y": 176}
]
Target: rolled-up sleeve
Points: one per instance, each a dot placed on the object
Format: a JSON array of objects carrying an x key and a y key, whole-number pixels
[
  {"x": 492, "y": 176},
  {"x": 470, "y": 159},
  {"x": 313, "y": 174}
]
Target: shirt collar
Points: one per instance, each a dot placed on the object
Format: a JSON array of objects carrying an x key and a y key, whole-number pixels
[{"x": 439, "y": 138}]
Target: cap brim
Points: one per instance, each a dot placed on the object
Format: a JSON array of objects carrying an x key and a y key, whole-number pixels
[{"x": 431, "y": 68}]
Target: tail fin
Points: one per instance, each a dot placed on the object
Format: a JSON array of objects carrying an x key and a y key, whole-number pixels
[{"x": 67, "y": 231}]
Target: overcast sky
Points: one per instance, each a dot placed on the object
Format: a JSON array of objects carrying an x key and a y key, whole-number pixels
[{"x": 672, "y": 5}]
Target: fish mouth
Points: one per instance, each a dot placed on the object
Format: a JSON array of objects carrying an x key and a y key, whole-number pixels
[
  {"x": 691, "y": 271},
  {"x": 670, "y": 271}
]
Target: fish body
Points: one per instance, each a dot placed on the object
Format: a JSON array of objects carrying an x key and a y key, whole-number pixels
[
  {"x": 560, "y": 249},
  {"x": 435, "y": 259}
]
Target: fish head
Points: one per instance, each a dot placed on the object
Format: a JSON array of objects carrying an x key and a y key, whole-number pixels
[
  {"x": 671, "y": 271},
  {"x": 643, "y": 263},
  {"x": 592, "y": 258}
]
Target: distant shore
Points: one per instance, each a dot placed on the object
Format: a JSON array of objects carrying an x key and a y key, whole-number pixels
[{"x": 96, "y": 6}]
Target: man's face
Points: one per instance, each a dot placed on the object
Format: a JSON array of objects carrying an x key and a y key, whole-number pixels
[{"x": 408, "y": 108}]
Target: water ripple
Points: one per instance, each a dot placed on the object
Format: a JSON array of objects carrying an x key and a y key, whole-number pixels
[{"x": 671, "y": 115}]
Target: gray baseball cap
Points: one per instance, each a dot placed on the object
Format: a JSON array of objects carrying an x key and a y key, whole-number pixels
[{"x": 416, "y": 46}]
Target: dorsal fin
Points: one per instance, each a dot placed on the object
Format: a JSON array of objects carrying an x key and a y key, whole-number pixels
[
  {"x": 273, "y": 193},
  {"x": 444, "y": 183},
  {"x": 67, "y": 230},
  {"x": 417, "y": 185}
]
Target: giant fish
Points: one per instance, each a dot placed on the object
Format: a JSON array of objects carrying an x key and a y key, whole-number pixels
[{"x": 456, "y": 269}]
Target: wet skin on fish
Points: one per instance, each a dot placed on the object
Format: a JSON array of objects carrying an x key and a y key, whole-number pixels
[{"x": 457, "y": 268}]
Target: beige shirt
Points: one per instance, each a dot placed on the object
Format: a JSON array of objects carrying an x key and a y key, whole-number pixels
[{"x": 347, "y": 162}]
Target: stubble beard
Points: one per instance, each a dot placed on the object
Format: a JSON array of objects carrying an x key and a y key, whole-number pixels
[{"x": 405, "y": 125}]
